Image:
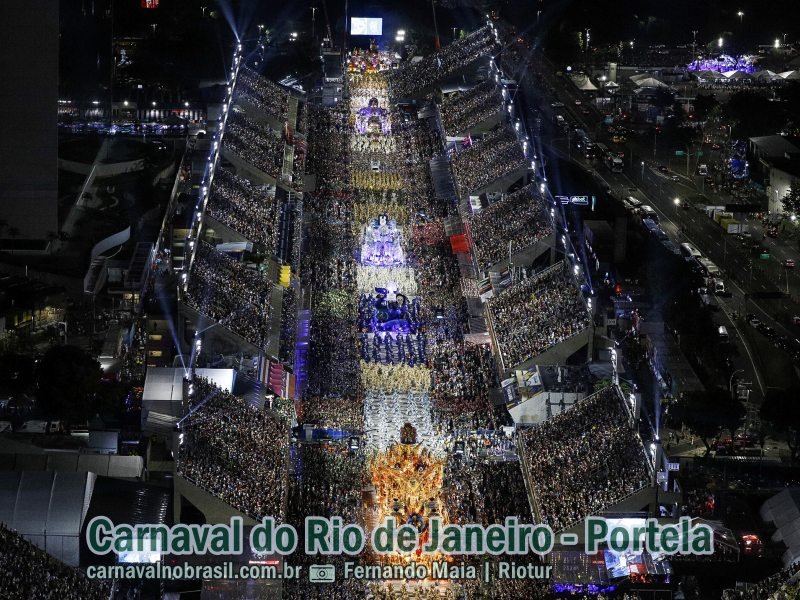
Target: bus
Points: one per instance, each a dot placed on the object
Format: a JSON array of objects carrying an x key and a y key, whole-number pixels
[
  {"x": 689, "y": 252},
  {"x": 709, "y": 268}
]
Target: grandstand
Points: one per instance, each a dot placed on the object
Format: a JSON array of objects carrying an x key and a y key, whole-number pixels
[
  {"x": 542, "y": 319},
  {"x": 233, "y": 451},
  {"x": 585, "y": 461},
  {"x": 512, "y": 225}
]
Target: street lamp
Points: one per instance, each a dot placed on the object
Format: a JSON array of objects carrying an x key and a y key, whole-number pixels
[
  {"x": 677, "y": 203},
  {"x": 730, "y": 383},
  {"x": 719, "y": 42},
  {"x": 642, "y": 170},
  {"x": 740, "y": 14},
  {"x": 777, "y": 43}
]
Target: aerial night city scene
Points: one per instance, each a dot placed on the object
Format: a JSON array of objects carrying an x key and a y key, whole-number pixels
[{"x": 400, "y": 300}]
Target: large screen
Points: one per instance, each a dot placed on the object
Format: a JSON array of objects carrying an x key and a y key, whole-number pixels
[{"x": 366, "y": 26}]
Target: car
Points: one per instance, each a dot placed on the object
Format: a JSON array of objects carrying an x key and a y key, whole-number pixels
[
  {"x": 674, "y": 177},
  {"x": 789, "y": 263},
  {"x": 772, "y": 232},
  {"x": 585, "y": 110},
  {"x": 577, "y": 102},
  {"x": 663, "y": 168},
  {"x": 715, "y": 146},
  {"x": 753, "y": 322}
]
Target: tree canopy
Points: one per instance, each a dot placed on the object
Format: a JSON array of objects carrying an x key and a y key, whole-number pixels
[{"x": 68, "y": 380}]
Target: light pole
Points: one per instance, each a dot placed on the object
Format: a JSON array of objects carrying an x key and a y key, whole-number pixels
[
  {"x": 587, "y": 38},
  {"x": 730, "y": 383},
  {"x": 694, "y": 42},
  {"x": 740, "y": 14},
  {"x": 655, "y": 141},
  {"x": 642, "y": 170},
  {"x": 314, "y": 24},
  {"x": 677, "y": 203}
]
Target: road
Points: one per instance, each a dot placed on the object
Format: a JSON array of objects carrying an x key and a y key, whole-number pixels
[{"x": 745, "y": 275}]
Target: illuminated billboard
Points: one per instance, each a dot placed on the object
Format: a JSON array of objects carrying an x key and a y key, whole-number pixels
[
  {"x": 149, "y": 3},
  {"x": 366, "y": 26}
]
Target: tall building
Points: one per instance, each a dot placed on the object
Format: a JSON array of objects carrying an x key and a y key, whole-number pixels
[{"x": 28, "y": 119}]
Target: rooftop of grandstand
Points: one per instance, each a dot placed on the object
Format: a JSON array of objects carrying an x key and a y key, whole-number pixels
[
  {"x": 230, "y": 292},
  {"x": 536, "y": 314},
  {"x": 249, "y": 210},
  {"x": 462, "y": 111},
  {"x": 583, "y": 460},
  {"x": 413, "y": 77},
  {"x": 235, "y": 451},
  {"x": 263, "y": 94},
  {"x": 484, "y": 160},
  {"x": 519, "y": 219}
]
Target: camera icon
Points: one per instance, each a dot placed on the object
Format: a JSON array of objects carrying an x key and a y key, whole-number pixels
[{"x": 322, "y": 573}]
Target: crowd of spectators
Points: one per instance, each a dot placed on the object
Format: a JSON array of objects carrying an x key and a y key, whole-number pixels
[
  {"x": 463, "y": 110},
  {"x": 584, "y": 460},
  {"x": 249, "y": 210},
  {"x": 413, "y": 77},
  {"x": 231, "y": 293},
  {"x": 537, "y": 313},
  {"x": 258, "y": 144},
  {"x": 774, "y": 587},
  {"x": 235, "y": 451},
  {"x": 27, "y": 572},
  {"x": 487, "y": 159},
  {"x": 519, "y": 219},
  {"x": 262, "y": 93}
]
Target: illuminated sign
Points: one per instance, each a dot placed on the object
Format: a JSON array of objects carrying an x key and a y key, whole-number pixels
[
  {"x": 576, "y": 200},
  {"x": 366, "y": 26},
  {"x": 149, "y": 3}
]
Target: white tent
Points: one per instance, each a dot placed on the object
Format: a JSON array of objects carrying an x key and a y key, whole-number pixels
[
  {"x": 736, "y": 75},
  {"x": 766, "y": 74},
  {"x": 786, "y": 74},
  {"x": 47, "y": 508},
  {"x": 611, "y": 84},
  {"x": 793, "y": 76},
  {"x": 639, "y": 77},
  {"x": 650, "y": 82},
  {"x": 783, "y": 510},
  {"x": 709, "y": 74},
  {"x": 585, "y": 84}
]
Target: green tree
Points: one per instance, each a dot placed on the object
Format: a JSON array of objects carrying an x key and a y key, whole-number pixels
[
  {"x": 791, "y": 201},
  {"x": 68, "y": 379},
  {"x": 707, "y": 413},
  {"x": 781, "y": 411},
  {"x": 703, "y": 105}
]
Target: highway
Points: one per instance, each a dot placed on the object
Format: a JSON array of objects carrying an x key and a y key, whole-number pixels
[{"x": 744, "y": 274}]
